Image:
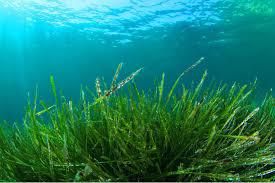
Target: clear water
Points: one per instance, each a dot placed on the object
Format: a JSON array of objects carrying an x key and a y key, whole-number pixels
[{"x": 78, "y": 40}]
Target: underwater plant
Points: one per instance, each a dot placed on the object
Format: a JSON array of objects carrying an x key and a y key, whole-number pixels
[
  {"x": 114, "y": 85},
  {"x": 213, "y": 133}
]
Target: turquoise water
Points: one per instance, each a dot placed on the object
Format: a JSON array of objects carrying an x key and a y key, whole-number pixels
[{"x": 78, "y": 40}]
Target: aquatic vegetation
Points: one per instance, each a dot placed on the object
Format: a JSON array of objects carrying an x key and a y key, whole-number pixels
[
  {"x": 213, "y": 133},
  {"x": 114, "y": 85}
]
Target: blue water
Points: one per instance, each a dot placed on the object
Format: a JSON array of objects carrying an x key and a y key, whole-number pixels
[{"x": 78, "y": 40}]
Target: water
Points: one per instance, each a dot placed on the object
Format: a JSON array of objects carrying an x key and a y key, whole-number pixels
[{"x": 78, "y": 40}]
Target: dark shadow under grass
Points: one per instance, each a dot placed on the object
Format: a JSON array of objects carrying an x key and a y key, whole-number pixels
[{"x": 212, "y": 134}]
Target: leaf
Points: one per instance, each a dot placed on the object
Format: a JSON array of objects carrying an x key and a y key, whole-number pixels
[
  {"x": 182, "y": 74},
  {"x": 54, "y": 89}
]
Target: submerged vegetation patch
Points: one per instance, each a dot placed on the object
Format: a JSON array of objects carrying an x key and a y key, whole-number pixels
[{"x": 201, "y": 134}]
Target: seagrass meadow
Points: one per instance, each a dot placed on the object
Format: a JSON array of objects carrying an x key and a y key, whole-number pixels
[
  {"x": 137, "y": 90},
  {"x": 203, "y": 133}
]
